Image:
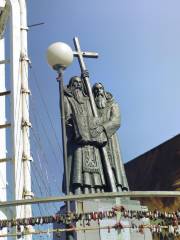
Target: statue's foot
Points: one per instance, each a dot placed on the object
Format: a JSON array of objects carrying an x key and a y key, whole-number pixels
[
  {"x": 78, "y": 191},
  {"x": 119, "y": 188},
  {"x": 124, "y": 189}
]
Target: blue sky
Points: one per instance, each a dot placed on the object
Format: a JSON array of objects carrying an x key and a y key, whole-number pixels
[
  {"x": 138, "y": 43},
  {"x": 139, "y": 47}
]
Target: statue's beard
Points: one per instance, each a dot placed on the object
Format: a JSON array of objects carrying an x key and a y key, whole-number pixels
[
  {"x": 78, "y": 95},
  {"x": 100, "y": 101}
]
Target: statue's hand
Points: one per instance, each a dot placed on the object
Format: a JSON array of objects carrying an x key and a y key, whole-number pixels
[
  {"x": 85, "y": 74},
  {"x": 97, "y": 131}
]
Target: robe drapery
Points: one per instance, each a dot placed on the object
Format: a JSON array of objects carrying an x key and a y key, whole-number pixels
[
  {"x": 110, "y": 119},
  {"x": 84, "y": 159}
]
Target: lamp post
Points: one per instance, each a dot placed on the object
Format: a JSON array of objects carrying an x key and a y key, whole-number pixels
[{"x": 60, "y": 56}]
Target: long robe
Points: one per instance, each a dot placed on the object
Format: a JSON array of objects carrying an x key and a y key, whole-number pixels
[
  {"x": 110, "y": 118},
  {"x": 84, "y": 159}
]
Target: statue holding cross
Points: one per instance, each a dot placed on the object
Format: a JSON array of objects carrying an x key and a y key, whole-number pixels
[{"x": 90, "y": 146}]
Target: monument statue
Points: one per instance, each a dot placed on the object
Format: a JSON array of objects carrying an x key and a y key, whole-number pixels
[{"x": 87, "y": 135}]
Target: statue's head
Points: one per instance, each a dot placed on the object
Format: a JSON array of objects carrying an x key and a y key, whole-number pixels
[
  {"x": 99, "y": 95},
  {"x": 76, "y": 88},
  {"x": 98, "y": 89},
  {"x": 75, "y": 83}
]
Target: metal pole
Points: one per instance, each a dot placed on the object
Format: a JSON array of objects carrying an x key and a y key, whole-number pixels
[
  {"x": 69, "y": 235},
  {"x": 26, "y": 156},
  {"x": 25, "y": 104},
  {"x": 63, "y": 127}
]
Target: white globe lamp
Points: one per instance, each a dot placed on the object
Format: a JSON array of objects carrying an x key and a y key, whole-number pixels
[{"x": 59, "y": 55}]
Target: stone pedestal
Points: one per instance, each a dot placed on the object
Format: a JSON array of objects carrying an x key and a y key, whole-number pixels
[{"x": 105, "y": 234}]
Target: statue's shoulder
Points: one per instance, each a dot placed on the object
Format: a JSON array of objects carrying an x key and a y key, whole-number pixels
[
  {"x": 109, "y": 97},
  {"x": 111, "y": 102}
]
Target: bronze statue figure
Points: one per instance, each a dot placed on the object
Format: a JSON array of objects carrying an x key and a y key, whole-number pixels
[
  {"x": 86, "y": 135},
  {"x": 109, "y": 115},
  {"x": 84, "y": 159}
]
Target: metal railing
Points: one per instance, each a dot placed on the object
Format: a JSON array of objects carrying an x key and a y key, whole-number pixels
[{"x": 83, "y": 197}]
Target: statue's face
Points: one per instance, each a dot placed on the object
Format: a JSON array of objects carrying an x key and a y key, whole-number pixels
[
  {"x": 77, "y": 83},
  {"x": 99, "y": 90}
]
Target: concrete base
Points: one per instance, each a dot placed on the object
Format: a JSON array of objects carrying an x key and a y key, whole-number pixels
[{"x": 104, "y": 234}]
